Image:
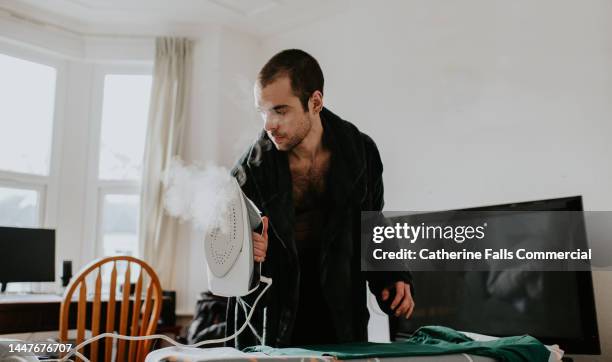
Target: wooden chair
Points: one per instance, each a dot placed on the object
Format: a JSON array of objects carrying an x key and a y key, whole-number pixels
[{"x": 144, "y": 314}]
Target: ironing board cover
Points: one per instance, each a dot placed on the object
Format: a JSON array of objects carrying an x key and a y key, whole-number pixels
[{"x": 427, "y": 341}]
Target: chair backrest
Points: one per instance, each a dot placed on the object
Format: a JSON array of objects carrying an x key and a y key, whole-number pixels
[{"x": 144, "y": 313}]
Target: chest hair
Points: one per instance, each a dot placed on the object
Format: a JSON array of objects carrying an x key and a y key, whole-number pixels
[{"x": 308, "y": 177}]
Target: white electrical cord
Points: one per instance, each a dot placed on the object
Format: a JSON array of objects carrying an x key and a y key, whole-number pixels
[
  {"x": 244, "y": 305},
  {"x": 74, "y": 351},
  {"x": 468, "y": 357}
]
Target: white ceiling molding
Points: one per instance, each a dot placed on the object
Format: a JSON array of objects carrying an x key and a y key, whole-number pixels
[
  {"x": 260, "y": 18},
  {"x": 57, "y": 41},
  {"x": 106, "y": 5},
  {"x": 247, "y": 8},
  {"x": 35, "y": 35}
]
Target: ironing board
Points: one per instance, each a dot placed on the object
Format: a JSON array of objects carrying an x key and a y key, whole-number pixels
[{"x": 187, "y": 354}]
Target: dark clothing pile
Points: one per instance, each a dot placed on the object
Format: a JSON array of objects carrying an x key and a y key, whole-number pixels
[{"x": 209, "y": 319}]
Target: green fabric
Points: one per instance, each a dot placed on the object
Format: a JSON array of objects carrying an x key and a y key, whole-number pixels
[{"x": 426, "y": 341}]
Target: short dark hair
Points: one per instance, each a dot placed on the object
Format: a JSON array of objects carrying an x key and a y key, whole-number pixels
[{"x": 302, "y": 69}]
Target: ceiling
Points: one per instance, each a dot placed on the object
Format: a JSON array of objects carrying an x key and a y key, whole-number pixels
[{"x": 159, "y": 17}]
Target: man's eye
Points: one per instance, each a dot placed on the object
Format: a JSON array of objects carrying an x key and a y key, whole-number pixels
[{"x": 280, "y": 112}]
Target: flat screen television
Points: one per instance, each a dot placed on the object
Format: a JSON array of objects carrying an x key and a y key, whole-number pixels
[
  {"x": 26, "y": 255},
  {"x": 556, "y": 307}
]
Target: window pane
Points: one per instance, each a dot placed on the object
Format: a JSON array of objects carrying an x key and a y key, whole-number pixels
[
  {"x": 27, "y": 98},
  {"x": 120, "y": 225},
  {"x": 18, "y": 207},
  {"x": 124, "y": 125}
]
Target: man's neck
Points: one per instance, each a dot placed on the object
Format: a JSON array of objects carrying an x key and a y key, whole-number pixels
[{"x": 312, "y": 143}]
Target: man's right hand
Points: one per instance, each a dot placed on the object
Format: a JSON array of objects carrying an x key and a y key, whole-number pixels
[
  {"x": 403, "y": 304},
  {"x": 260, "y": 242}
]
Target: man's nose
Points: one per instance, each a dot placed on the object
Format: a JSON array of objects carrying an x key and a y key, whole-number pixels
[{"x": 270, "y": 124}]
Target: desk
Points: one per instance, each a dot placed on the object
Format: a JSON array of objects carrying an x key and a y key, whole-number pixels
[{"x": 23, "y": 313}]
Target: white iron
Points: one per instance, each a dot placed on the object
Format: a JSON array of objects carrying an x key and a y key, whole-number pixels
[{"x": 229, "y": 249}]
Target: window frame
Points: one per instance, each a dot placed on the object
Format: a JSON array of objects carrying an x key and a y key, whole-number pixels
[
  {"x": 96, "y": 187},
  {"x": 47, "y": 185}
]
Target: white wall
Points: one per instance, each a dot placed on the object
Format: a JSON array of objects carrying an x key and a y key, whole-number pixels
[
  {"x": 239, "y": 123},
  {"x": 477, "y": 102}
]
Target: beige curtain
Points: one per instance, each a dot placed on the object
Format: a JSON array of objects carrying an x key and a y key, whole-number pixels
[{"x": 167, "y": 117}]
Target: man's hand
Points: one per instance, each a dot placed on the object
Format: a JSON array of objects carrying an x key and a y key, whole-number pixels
[
  {"x": 402, "y": 304},
  {"x": 260, "y": 242}
]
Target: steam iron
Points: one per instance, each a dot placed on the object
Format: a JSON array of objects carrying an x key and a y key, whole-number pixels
[{"x": 229, "y": 248}]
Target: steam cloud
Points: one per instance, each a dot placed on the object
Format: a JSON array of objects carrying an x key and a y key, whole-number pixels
[
  {"x": 196, "y": 194},
  {"x": 201, "y": 195}
]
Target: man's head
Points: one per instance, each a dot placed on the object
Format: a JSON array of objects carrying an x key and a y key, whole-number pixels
[{"x": 289, "y": 96}]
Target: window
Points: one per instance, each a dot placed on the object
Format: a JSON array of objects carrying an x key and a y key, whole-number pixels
[
  {"x": 120, "y": 229},
  {"x": 124, "y": 123},
  {"x": 19, "y": 207},
  {"x": 27, "y": 93},
  {"x": 125, "y": 108}
]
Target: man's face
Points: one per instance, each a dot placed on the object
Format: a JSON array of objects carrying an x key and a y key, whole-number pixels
[{"x": 284, "y": 118}]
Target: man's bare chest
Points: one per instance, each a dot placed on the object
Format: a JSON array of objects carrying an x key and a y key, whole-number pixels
[{"x": 309, "y": 178}]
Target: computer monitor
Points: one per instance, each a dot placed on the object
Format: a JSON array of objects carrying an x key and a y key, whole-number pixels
[
  {"x": 26, "y": 255},
  {"x": 557, "y": 307}
]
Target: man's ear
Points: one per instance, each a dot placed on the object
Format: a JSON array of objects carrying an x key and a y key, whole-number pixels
[{"x": 316, "y": 102}]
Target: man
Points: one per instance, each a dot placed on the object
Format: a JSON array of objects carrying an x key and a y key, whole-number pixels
[{"x": 312, "y": 174}]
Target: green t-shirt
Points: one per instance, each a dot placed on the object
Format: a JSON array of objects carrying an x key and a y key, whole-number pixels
[{"x": 426, "y": 341}]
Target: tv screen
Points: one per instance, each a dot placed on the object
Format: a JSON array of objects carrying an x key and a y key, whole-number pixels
[
  {"x": 557, "y": 307},
  {"x": 27, "y": 255}
]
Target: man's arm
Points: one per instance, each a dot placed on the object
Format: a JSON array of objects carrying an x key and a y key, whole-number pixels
[{"x": 393, "y": 290}]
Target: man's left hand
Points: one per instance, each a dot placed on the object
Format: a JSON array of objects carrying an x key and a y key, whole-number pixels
[{"x": 402, "y": 304}]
